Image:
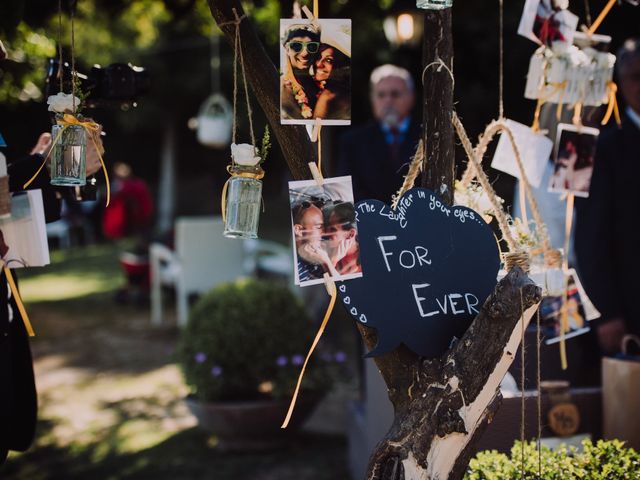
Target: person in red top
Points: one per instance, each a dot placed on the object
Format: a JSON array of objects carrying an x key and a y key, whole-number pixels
[{"x": 130, "y": 211}]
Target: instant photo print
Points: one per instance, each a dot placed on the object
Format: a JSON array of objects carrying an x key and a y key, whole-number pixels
[
  {"x": 315, "y": 71},
  {"x": 574, "y": 158},
  {"x": 325, "y": 232}
]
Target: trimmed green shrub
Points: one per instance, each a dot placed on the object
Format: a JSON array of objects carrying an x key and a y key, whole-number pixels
[
  {"x": 247, "y": 340},
  {"x": 606, "y": 460}
]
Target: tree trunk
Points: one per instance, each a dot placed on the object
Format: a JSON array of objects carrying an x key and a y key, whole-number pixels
[
  {"x": 441, "y": 405},
  {"x": 437, "y": 105}
]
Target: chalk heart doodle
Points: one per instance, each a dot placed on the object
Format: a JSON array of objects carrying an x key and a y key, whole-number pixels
[{"x": 427, "y": 270}]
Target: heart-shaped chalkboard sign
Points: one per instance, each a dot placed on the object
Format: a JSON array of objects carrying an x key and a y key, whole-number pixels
[{"x": 427, "y": 270}]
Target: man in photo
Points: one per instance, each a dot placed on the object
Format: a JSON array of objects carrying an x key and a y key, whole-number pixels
[
  {"x": 298, "y": 89},
  {"x": 607, "y": 238},
  {"x": 377, "y": 154}
]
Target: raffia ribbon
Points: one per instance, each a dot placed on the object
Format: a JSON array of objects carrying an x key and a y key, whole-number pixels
[
  {"x": 612, "y": 108},
  {"x": 18, "y": 299},
  {"x": 333, "y": 292},
  {"x": 410, "y": 178},
  {"x": 92, "y": 129}
]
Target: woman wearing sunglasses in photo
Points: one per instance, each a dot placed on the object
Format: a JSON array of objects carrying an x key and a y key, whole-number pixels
[{"x": 298, "y": 89}]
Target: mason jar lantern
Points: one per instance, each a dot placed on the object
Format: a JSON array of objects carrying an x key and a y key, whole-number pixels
[
  {"x": 244, "y": 196},
  {"x": 68, "y": 156}
]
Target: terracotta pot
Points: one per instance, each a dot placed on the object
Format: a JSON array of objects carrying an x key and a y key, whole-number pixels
[{"x": 251, "y": 425}]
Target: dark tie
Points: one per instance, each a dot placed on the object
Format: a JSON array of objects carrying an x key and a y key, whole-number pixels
[{"x": 394, "y": 148}]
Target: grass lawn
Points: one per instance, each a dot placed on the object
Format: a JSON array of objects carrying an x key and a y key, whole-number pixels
[{"x": 111, "y": 396}]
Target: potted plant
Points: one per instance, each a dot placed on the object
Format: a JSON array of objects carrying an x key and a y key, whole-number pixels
[{"x": 241, "y": 353}]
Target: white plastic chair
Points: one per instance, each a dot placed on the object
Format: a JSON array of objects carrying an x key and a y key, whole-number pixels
[{"x": 203, "y": 258}]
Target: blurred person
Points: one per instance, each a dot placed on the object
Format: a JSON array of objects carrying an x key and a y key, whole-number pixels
[
  {"x": 606, "y": 239},
  {"x": 18, "y": 398},
  {"x": 378, "y": 153},
  {"x": 130, "y": 211}
]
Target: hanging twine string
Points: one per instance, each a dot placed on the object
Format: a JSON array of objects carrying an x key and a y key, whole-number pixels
[
  {"x": 18, "y": 299},
  {"x": 257, "y": 173},
  {"x": 539, "y": 389},
  {"x": 474, "y": 169},
  {"x": 238, "y": 54},
  {"x": 587, "y": 12},
  {"x": 332, "y": 291},
  {"x": 92, "y": 129},
  {"x": 73, "y": 61},
  {"x": 522, "y": 379},
  {"x": 60, "y": 72},
  {"x": 410, "y": 178},
  {"x": 486, "y": 185},
  {"x": 501, "y": 79}
]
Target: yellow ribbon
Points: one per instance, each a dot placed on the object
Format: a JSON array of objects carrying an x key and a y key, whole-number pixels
[
  {"x": 564, "y": 317},
  {"x": 18, "y": 298},
  {"x": 557, "y": 86},
  {"x": 258, "y": 175},
  {"x": 91, "y": 127},
  {"x": 605, "y": 11},
  {"x": 612, "y": 108},
  {"x": 331, "y": 289}
]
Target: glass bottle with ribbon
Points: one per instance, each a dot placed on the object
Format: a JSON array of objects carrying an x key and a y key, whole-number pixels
[
  {"x": 69, "y": 142},
  {"x": 242, "y": 194}
]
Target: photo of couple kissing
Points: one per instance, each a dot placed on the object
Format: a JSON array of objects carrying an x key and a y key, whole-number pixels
[{"x": 325, "y": 235}]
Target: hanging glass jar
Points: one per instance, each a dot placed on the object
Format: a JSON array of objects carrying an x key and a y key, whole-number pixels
[
  {"x": 434, "y": 4},
  {"x": 68, "y": 154},
  {"x": 243, "y": 193}
]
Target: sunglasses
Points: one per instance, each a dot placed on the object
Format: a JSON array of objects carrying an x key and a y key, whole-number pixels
[{"x": 311, "y": 47}]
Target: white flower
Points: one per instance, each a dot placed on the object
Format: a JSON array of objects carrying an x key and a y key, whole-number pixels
[
  {"x": 245, "y": 154},
  {"x": 63, "y": 102}
]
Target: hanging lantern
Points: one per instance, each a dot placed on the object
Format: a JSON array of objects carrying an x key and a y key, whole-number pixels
[
  {"x": 215, "y": 121},
  {"x": 243, "y": 193},
  {"x": 68, "y": 155},
  {"x": 434, "y": 4}
]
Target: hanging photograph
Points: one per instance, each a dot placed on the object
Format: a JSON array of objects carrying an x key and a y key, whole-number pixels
[
  {"x": 23, "y": 236},
  {"x": 315, "y": 71},
  {"x": 548, "y": 21},
  {"x": 535, "y": 150},
  {"x": 580, "y": 310},
  {"x": 325, "y": 233},
  {"x": 573, "y": 160}
]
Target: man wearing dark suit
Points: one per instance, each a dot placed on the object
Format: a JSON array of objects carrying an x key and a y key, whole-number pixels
[
  {"x": 607, "y": 236},
  {"x": 377, "y": 154}
]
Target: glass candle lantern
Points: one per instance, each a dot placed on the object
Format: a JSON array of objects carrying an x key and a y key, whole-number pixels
[
  {"x": 244, "y": 196},
  {"x": 68, "y": 156},
  {"x": 434, "y": 4}
]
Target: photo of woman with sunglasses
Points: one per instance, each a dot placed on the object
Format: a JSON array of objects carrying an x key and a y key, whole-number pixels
[
  {"x": 316, "y": 72},
  {"x": 325, "y": 232}
]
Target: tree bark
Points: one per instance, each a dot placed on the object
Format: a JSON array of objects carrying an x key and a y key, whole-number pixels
[
  {"x": 437, "y": 107},
  {"x": 441, "y": 405},
  {"x": 263, "y": 77}
]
